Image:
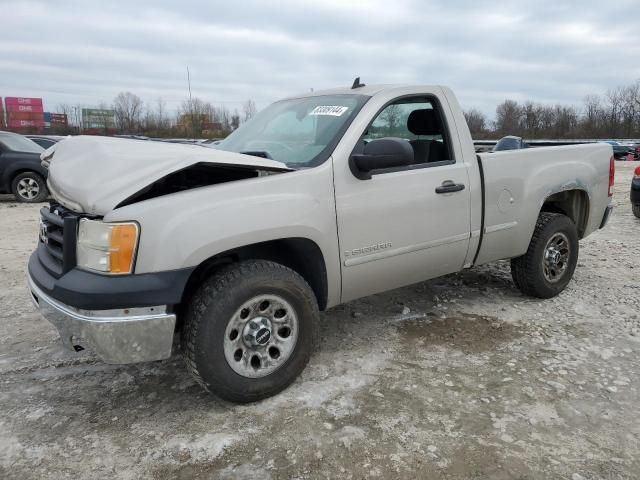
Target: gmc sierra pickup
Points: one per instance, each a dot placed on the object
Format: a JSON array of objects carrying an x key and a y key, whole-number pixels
[{"x": 320, "y": 199}]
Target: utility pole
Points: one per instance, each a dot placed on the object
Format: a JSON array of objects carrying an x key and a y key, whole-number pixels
[{"x": 193, "y": 123}]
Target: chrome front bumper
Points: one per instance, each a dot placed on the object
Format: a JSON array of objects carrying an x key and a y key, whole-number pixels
[{"x": 118, "y": 336}]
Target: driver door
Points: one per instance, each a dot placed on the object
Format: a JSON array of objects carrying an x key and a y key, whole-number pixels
[{"x": 395, "y": 228}]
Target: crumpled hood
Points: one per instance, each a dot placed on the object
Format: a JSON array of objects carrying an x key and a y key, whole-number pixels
[{"x": 94, "y": 174}]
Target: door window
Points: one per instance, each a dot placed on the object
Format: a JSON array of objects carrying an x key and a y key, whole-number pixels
[{"x": 419, "y": 122}]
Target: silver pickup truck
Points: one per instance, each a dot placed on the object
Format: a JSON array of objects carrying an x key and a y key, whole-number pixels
[{"x": 320, "y": 199}]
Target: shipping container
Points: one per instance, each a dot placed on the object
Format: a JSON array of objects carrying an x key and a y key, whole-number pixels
[
  {"x": 26, "y": 123},
  {"x": 25, "y": 108},
  {"x": 34, "y": 102},
  {"x": 24, "y": 116}
]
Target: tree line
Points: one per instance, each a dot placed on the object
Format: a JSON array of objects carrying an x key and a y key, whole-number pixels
[
  {"x": 615, "y": 114},
  {"x": 194, "y": 117}
]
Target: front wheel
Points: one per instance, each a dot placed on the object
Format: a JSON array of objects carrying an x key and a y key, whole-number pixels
[
  {"x": 636, "y": 209},
  {"x": 29, "y": 187},
  {"x": 547, "y": 267},
  {"x": 250, "y": 330}
]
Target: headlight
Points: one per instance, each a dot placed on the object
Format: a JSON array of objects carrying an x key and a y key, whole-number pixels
[{"x": 107, "y": 247}]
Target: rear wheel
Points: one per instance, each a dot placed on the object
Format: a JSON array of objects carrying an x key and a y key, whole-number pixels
[
  {"x": 547, "y": 267},
  {"x": 29, "y": 187},
  {"x": 636, "y": 210},
  {"x": 250, "y": 330}
]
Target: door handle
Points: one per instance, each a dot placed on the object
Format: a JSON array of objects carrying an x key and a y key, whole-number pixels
[{"x": 448, "y": 186}]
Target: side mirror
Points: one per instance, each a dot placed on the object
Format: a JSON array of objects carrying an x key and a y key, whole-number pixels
[{"x": 381, "y": 154}]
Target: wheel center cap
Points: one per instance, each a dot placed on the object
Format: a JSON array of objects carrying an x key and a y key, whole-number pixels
[
  {"x": 263, "y": 336},
  {"x": 553, "y": 256},
  {"x": 257, "y": 332}
]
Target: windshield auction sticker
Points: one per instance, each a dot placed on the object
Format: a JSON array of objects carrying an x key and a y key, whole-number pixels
[{"x": 333, "y": 110}]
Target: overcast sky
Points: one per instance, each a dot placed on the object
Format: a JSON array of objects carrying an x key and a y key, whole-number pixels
[{"x": 85, "y": 52}]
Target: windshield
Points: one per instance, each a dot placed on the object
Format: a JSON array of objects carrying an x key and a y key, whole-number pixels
[
  {"x": 299, "y": 132},
  {"x": 19, "y": 143}
]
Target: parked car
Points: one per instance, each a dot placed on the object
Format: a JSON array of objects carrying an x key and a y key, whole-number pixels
[
  {"x": 20, "y": 171},
  {"x": 635, "y": 192},
  {"x": 45, "y": 141},
  {"x": 620, "y": 151},
  {"x": 510, "y": 142},
  {"x": 239, "y": 248}
]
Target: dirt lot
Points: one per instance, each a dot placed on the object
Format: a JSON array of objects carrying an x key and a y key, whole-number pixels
[{"x": 460, "y": 377}]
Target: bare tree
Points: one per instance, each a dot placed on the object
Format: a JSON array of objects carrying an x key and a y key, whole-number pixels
[
  {"x": 128, "y": 110},
  {"x": 193, "y": 115},
  {"x": 630, "y": 107},
  {"x": 593, "y": 115},
  {"x": 249, "y": 109},
  {"x": 235, "y": 120},
  {"x": 614, "y": 99},
  {"x": 391, "y": 115},
  {"x": 161, "y": 116},
  {"x": 615, "y": 114},
  {"x": 530, "y": 118},
  {"x": 476, "y": 120},
  {"x": 566, "y": 121},
  {"x": 508, "y": 115}
]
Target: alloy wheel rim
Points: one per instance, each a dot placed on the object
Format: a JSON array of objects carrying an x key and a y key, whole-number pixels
[
  {"x": 555, "y": 259},
  {"x": 261, "y": 336},
  {"x": 28, "y": 188}
]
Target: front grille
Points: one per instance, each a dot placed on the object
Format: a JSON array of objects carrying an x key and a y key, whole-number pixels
[{"x": 58, "y": 236}]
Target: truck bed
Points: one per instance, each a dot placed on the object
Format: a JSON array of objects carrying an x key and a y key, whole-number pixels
[{"x": 518, "y": 182}]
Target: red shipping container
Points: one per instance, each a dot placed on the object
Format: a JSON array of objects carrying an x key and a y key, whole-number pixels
[
  {"x": 24, "y": 116},
  {"x": 26, "y": 123},
  {"x": 25, "y": 108},
  {"x": 35, "y": 102}
]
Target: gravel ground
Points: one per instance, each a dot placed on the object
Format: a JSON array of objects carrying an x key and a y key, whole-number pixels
[{"x": 459, "y": 377}]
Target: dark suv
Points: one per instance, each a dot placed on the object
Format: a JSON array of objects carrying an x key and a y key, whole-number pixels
[
  {"x": 635, "y": 192},
  {"x": 20, "y": 169}
]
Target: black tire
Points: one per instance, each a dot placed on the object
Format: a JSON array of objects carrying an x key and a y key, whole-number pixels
[
  {"x": 636, "y": 209},
  {"x": 528, "y": 271},
  {"x": 29, "y": 187},
  {"x": 212, "y": 308}
]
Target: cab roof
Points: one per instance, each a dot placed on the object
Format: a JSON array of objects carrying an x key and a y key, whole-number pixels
[{"x": 368, "y": 90}]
